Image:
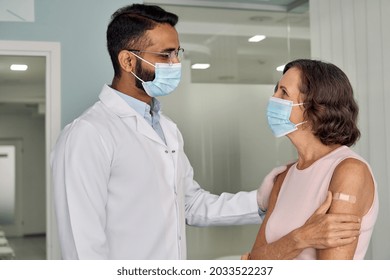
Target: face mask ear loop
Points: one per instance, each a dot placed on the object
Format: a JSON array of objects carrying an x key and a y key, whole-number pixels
[
  {"x": 144, "y": 60},
  {"x": 298, "y": 124},
  {"x": 137, "y": 77}
]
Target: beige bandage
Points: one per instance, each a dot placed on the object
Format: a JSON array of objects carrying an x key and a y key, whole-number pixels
[{"x": 344, "y": 197}]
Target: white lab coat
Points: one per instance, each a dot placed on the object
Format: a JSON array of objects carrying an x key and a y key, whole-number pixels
[{"x": 122, "y": 193}]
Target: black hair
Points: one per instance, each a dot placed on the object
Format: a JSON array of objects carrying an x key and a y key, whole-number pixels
[{"x": 128, "y": 25}]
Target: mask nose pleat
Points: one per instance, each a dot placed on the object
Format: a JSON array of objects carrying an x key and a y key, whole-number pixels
[{"x": 278, "y": 116}]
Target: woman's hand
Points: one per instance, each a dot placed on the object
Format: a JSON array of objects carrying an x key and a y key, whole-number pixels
[{"x": 323, "y": 230}]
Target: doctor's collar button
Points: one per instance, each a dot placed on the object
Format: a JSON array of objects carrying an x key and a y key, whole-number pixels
[
  {"x": 166, "y": 151},
  {"x": 173, "y": 151}
]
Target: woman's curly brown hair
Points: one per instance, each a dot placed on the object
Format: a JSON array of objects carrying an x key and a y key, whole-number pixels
[{"x": 330, "y": 107}]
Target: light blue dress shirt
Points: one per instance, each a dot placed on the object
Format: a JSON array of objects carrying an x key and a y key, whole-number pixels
[{"x": 150, "y": 114}]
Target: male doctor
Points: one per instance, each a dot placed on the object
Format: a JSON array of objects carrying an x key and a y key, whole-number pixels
[{"x": 123, "y": 186}]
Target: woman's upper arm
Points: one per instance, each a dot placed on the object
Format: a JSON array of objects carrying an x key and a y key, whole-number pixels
[{"x": 352, "y": 187}]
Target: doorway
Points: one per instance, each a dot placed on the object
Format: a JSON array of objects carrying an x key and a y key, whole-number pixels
[{"x": 52, "y": 105}]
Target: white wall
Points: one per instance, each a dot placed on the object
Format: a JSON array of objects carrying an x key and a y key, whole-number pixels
[
  {"x": 354, "y": 35},
  {"x": 230, "y": 148}
]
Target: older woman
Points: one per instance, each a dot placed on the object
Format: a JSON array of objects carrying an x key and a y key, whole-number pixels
[{"x": 313, "y": 105}]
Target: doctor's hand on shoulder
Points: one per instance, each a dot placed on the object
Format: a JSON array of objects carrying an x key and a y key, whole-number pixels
[{"x": 264, "y": 190}]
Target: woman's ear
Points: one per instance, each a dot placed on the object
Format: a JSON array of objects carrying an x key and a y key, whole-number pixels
[{"x": 126, "y": 61}]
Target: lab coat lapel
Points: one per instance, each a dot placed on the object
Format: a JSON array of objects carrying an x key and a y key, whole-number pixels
[
  {"x": 119, "y": 107},
  {"x": 147, "y": 130}
]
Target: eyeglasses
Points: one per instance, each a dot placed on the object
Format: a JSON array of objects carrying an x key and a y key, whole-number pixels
[{"x": 178, "y": 54}]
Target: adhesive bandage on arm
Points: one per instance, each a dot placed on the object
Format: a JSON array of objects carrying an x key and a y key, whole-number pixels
[{"x": 344, "y": 197}]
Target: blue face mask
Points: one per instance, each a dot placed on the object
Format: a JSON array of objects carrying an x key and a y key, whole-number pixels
[
  {"x": 278, "y": 115},
  {"x": 166, "y": 78}
]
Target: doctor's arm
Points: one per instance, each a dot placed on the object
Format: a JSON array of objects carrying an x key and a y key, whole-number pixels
[
  {"x": 204, "y": 208},
  {"x": 81, "y": 165}
]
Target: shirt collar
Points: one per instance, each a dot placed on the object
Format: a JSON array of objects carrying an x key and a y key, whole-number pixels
[{"x": 140, "y": 107}]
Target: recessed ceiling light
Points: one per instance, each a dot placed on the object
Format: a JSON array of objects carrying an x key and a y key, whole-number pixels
[
  {"x": 18, "y": 67},
  {"x": 200, "y": 66},
  {"x": 280, "y": 68},
  {"x": 256, "y": 38}
]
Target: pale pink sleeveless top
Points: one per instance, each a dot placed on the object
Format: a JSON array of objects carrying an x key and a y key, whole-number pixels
[{"x": 303, "y": 191}]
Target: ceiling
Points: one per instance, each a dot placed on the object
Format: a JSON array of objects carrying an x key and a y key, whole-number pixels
[
  {"x": 214, "y": 32},
  {"x": 217, "y": 33},
  {"x": 260, "y": 5}
]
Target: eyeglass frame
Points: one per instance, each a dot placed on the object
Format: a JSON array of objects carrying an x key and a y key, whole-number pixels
[{"x": 170, "y": 55}]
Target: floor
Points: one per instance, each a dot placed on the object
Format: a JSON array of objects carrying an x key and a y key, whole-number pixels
[{"x": 28, "y": 247}]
